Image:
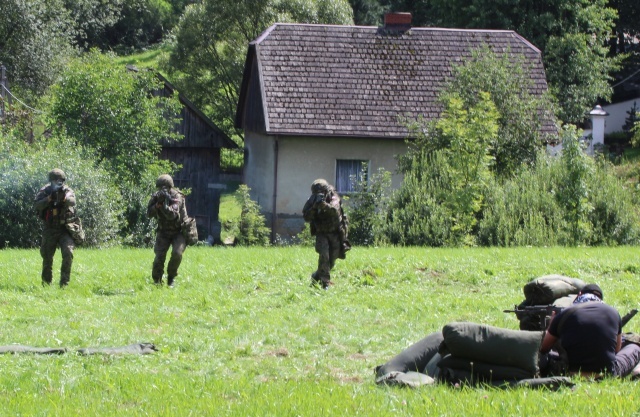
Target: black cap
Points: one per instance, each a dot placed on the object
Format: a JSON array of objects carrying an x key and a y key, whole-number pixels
[{"x": 592, "y": 289}]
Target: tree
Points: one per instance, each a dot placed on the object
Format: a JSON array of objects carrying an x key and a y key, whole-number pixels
[
  {"x": 91, "y": 18},
  {"x": 571, "y": 34},
  {"x": 627, "y": 26},
  {"x": 35, "y": 41},
  {"x": 521, "y": 113},
  {"x": 632, "y": 118},
  {"x": 113, "y": 113},
  {"x": 142, "y": 23},
  {"x": 110, "y": 109},
  {"x": 252, "y": 229},
  {"x": 211, "y": 42},
  {"x": 447, "y": 170}
]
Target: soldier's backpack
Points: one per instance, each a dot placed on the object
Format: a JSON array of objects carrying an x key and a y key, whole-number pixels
[
  {"x": 74, "y": 228},
  {"x": 190, "y": 231}
]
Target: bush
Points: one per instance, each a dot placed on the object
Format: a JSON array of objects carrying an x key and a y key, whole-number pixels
[
  {"x": 617, "y": 139},
  {"x": 99, "y": 204},
  {"x": 523, "y": 210},
  {"x": 252, "y": 229},
  {"x": 416, "y": 216},
  {"x": 367, "y": 208},
  {"x": 572, "y": 200},
  {"x": 614, "y": 216}
]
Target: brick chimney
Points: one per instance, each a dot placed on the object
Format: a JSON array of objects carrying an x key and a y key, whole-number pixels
[{"x": 397, "y": 21}]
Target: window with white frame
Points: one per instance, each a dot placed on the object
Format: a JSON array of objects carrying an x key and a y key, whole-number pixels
[{"x": 349, "y": 172}]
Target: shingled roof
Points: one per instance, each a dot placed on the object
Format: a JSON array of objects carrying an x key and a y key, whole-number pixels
[{"x": 325, "y": 80}]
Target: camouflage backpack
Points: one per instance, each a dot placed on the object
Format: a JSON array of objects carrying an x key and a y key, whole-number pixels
[
  {"x": 75, "y": 230},
  {"x": 190, "y": 231}
]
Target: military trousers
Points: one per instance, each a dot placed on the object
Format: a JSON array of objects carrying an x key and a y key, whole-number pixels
[
  {"x": 52, "y": 238},
  {"x": 328, "y": 248},
  {"x": 178, "y": 244}
]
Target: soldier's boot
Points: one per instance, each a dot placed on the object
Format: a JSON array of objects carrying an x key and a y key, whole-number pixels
[
  {"x": 315, "y": 281},
  {"x": 157, "y": 279},
  {"x": 326, "y": 285},
  {"x": 47, "y": 276},
  {"x": 171, "y": 281},
  {"x": 65, "y": 277}
]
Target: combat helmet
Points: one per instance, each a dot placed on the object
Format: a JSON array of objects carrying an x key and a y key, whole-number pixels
[
  {"x": 164, "y": 180},
  {"x": 320, "y": 186},
  {"x": 57, "y": 174}
]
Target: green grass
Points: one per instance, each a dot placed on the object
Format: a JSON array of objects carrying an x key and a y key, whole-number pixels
[
  {"x": 145, "y": 59},
  {"x": 243, "y": 334},
  {"x": 229, "y": 212}
]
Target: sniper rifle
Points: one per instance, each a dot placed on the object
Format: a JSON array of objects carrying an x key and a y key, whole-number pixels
[{"x": 544, "y": 312}]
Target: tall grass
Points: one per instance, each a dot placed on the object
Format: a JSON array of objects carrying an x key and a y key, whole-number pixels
[{"x": 244, "y": 334}]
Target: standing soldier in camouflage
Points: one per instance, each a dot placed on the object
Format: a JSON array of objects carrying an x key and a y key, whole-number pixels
[
  {"x": 167, "y": 206},
  {"x": 323, "y": 211},
  {"x": 55, "y": 204}
]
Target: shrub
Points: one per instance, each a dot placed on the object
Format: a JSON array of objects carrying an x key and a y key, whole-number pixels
[
  {"x": 614, "y": 217},
  {"x": 252, "y": 229},
  {"x": 99, "y": 204},
  {"x": 415, "y": 216},
  {"x": 523, "y": 210},
  {"x": 367, "y": 207}
]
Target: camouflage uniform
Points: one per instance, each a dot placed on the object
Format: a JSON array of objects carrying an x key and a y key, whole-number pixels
[
  {"x": 323, "y": 210},
  {"x": 56, "y": 208},
  {"x": 168, "y": 207}
]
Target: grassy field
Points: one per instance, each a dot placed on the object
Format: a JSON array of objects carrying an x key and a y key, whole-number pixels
[{"x": 243, "y": 334}]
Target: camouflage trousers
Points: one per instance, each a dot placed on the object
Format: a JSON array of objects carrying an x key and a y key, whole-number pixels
[
  {"x": 164, "y": 240},
  {"x": 328, "y": 248},
  {"x": 52, "y": 238}
]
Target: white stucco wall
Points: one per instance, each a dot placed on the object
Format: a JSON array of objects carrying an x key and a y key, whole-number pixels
[
  {"x": 617, "y": 114},
  {"x": 258, "y": 168},
  {"x": 300, "y": 162}
]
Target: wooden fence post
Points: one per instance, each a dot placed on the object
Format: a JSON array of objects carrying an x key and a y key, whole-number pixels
[{"x": 3, "y": 91}]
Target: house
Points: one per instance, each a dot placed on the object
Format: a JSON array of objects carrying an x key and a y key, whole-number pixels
[
  {"x": 199, "y": 155},
  {"x": 319, "y": 101},
  {"x": 626, "y": 96}
]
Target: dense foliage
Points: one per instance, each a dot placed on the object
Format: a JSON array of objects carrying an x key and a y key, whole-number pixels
[
  {"x": 99, "y": 204},
  {"x": 35, "y": 41},
  {"x": 252, "y": 229},
  {"x": 104, "y": 127},
  {"x": 456, "y": 190},
  {"x": 212, "y": 38},
  {"x": 366, "y": 208},
  {"x": 113, "y": 111}
]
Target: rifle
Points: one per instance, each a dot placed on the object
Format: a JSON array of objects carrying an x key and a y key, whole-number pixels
[
  {"x": 543, "y": 312},
  {"x": 629, "y": 316}
]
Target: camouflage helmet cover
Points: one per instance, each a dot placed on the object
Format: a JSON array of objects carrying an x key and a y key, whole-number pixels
[
  {"x": 320, "y": 186},
  {"x": 57, "y": 174},
  {"x": 164, "y": 180}
]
